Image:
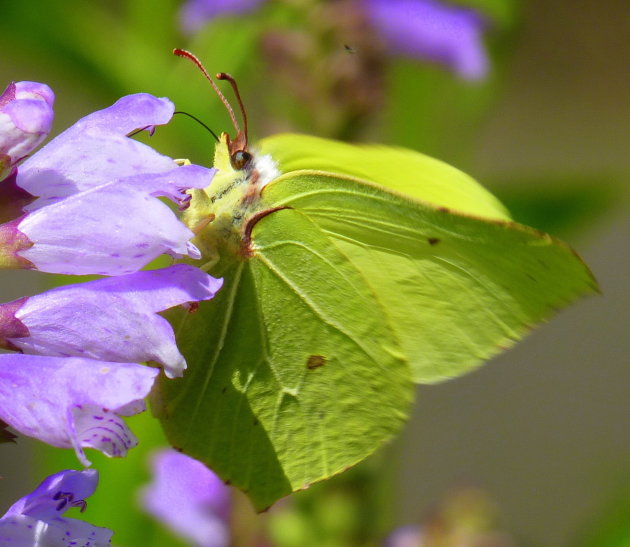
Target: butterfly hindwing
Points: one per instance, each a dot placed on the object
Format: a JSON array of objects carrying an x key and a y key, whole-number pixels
[{"x": 296, "y": 373}]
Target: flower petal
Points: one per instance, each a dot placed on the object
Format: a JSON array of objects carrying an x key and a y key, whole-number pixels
[
  {"x": 113, "y": 229},
  {"x": 102, "y": 429},
  {"x": 23, "y": 531},
  {"x": 112, "y": 319},
  {"x": 195, "y": 13},
  {"x": 432, "y": 30},
  {"x": 96, "y": 150},
  {"x": 189, "y": 498},
  {"x": 406, "y": 536},
  {"x": 41, "y": 504},
  {"x": 36, "y": 518},
  {"x": 37, "y": 393}
]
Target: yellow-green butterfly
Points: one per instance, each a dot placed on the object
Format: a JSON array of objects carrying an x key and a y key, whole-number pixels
[{"x": 351, "y": 272}]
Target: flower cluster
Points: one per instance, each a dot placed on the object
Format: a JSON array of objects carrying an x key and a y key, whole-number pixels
[
  {"x": 429, "y": 30},
  {"x": 89, "y": 203}
]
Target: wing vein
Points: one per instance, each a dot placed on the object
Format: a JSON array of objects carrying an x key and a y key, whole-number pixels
[{"x": 324, "y": 317}]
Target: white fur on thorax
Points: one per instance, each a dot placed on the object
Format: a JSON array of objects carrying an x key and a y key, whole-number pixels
[{"x": 267, "y": 169}]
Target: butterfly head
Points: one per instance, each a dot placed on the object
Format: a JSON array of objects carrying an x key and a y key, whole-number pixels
[
  {"x": 240, "y": 157},
  {"x": 218, "y": 214}
]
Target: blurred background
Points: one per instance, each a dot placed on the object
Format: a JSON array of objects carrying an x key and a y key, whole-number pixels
[{"x": 540, "y": 433}]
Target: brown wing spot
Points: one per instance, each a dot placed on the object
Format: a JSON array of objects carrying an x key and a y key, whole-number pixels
[
  {"x": 315, "y": 361},
  {"x": 433, "y": 240}
]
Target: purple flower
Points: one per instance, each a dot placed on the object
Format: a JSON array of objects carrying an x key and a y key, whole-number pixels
[
  {"x": 406, "y": 536},
  {"x": 26, "y": 116},
  {"x": 71, "y": 402},
  {"x": 97, "y": 210},
  {"x": 432, "y": 30},
  {"x": 189, "y": 498},
  {"x": 196, "y": 12},
  {"x": 112, "y": 319},
  {"x": 37, "y": 519}
]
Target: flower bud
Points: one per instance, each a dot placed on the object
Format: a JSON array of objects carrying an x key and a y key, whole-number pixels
[{"x": 26, "y": 116}]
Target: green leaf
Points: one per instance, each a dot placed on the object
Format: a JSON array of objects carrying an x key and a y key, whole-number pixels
[
  {"x": 563, "y": 205},
  {"x": 339, "y": 290}
]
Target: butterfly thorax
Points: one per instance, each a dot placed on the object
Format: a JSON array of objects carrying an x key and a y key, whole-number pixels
[{"x": 219, "y": 213}]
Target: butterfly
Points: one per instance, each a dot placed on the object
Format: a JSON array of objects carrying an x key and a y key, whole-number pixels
[{"x": 351, "y": 273}]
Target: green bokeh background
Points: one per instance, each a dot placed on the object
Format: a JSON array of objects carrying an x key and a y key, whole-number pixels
[{"x": 544, "y": 428}]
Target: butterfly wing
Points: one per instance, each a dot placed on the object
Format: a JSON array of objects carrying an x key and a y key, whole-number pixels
[{"x": 457, "y": 289}]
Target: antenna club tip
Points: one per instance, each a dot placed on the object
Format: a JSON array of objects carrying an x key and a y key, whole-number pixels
[
  {"x": 225, "y": 76},
  {"x": 182, "y": 53}
]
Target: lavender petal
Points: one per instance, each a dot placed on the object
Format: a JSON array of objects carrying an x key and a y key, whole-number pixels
[
  {"x": 37, "y": 393},
  {"x": 96, "y": 150},
  {"x": 36, "y": 518},
  {"x": 195, "y": 13},
  {"x": 189, "y": 498},
  {"x": 432, "y": 30},
  {"x": 113, "y": 319},
  {"x": 113, "y": 229}
]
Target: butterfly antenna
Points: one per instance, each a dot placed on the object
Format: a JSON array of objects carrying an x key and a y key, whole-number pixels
[
  {"x": 229, "y": 78},
  {"x": 199, "y": 122},
  {"x": 191, "y": 57}
]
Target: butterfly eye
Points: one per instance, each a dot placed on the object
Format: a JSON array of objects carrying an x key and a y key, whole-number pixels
[{"x": 240, "y": 160}]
